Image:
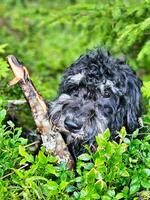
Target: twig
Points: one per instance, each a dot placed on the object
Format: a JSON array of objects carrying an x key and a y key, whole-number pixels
[
  {"x": 33, "y": 143},
  {"x": 17, "y": 102},
  {"x": 12, "y": 103},
  {"x": 7, "y": 175}
]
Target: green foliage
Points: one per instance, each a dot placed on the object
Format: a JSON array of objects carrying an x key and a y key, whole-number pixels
[
  {"x": 3, "y": 64},
  {"x": 146, "y": 89},
  {"x": 114, "y": 171},
  {"x": 48, "y": 36}
]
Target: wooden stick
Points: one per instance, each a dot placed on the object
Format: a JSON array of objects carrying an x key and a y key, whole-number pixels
[{"x": 52, "y": 139}]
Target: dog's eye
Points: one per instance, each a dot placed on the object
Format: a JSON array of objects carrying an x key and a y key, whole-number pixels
[
  {"x": 107, "y": 93},
  {"x": 85, "y": 96},
  {"x": 108, "y": 110},
  {"x": 75, "y": 95},
  {"x": 64, "y": 106}
]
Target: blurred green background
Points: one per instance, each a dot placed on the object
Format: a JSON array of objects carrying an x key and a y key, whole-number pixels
[{"x": 47, "y": 36}]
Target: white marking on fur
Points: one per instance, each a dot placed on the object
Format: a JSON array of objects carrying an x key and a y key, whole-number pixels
[
  {"x": 109, "y": 83},
  {"x": 77, "y": 78},
  {"x": 63, "y": 97}
]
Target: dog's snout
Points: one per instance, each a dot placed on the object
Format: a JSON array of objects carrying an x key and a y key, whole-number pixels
[{"x": 72, "y": 125}]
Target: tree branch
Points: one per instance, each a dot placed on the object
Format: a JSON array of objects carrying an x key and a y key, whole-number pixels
[{"x": 52, "y": 139}]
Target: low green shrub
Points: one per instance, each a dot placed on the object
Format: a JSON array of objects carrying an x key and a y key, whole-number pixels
[{"x": 115, "y": 171}]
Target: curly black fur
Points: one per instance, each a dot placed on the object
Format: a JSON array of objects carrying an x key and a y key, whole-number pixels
[{"x": 97, "y": 92}]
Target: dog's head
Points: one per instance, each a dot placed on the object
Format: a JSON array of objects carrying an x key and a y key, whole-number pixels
[{"x": 96, "y": 93}]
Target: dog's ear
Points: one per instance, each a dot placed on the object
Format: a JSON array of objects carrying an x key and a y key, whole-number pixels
[{"x": 133, "y": 102}]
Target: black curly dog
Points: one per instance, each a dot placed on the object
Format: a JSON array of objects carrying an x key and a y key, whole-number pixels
[{"x": 97, "y": 92}]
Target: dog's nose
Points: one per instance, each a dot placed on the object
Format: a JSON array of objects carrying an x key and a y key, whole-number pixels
[{"x": 72, "y": 125}]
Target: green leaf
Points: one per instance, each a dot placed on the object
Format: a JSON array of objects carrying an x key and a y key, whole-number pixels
[
  {"x": 147, "y": 138},
  {"x": 11, "y": 124},
  {"x": 85, "y": 157},
  {"x": 27, "y": 157},
  {"x": 125, "y": 173},
  {"x": 106, "y": 134},
  {"x": 111, "y": 193},
  {"x": 145, "y": 183},
  {"x": 146, "y": 171},
  {"x": 22, "y": 151},
  {"x": 91, "y": 175},
  {"x": 134, "y": 188},
  {"x": 50, "y": 169},
  {"x": 76, "y": 194},
  {"x": 145, "y": 88},
  {"x": 52, "y": 159},
  {"x": 70, "y": 188},
  {"x": 3, "y": 68},
  {"x": 135, "y": 133},
  {"x": 122, "y": 133},
  {"x": 95, "y": 196},
  {"x": 119, "y": 196},
  {"x": 42, "y": 158},
  {"x": 2, "y": 115},
  {"x": 63, "y": 185},
  {"x": 19, "y": 173},
  {"x": 79, "y": 179},
  {"x": 105, "y": 197},
  {"x": 23, "y": 161},
  {"x": 52, "y": 185},
  {"x": 126, "y": 141},
  {"x": 83, "y": 193},
  {"x": 2, "y": 48},
  {"x": 100, "y": 185},
  {"x": 88, "y": 166}
]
